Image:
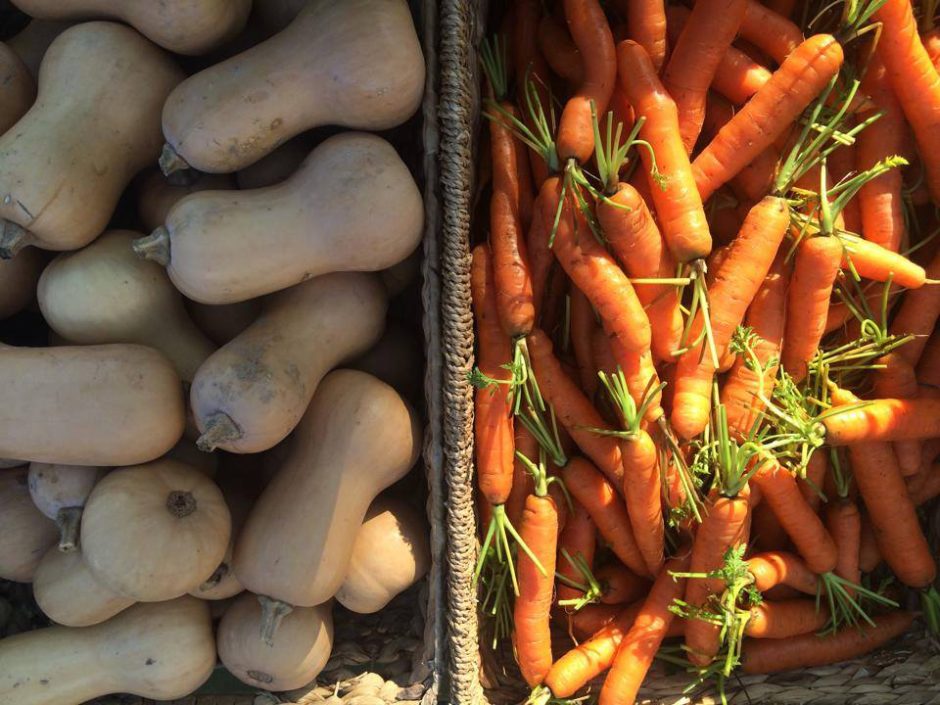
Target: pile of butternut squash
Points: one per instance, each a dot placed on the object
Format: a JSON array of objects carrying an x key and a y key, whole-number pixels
[{"x": 195, "y": 465}]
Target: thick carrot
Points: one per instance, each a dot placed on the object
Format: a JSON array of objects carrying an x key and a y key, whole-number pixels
[
  {"x": 514, "y": 299},
  {"x": 845, "y": 526},
  {"x": 578, "y": 540},
  {"x": 774, "y": 568},
  {"x": 890, "y": 508},
  {"x": 582, "y": 331},
  {"x": 736, "y": 284},
  {"x": 637, "y": 243},
  {"x": 592, "y": 36},
  {"x": 803, "y": 526},
  {"x": 769, "y": 31},
  {"x": 522, "y": 484},
  {"x": 646, "y": 24},
  {"x": 607, "y": 509},
  {"x": 808, "y": 650},
  {"x": 814, "y": 273},
  {"x": 772, "y": 110},
  {"x": 620, "y": 585},
  {"x": 884, "y": 420},
  {"x": 560, "y": 51},
  {"x": 812, "y": 484},
  {"x": 898, "y": 380},
  {"x": 532, "y": 608},
  {"x": 916, "y": 83},
  {"x": 694, "y": 61},
  {"x": 597, "y": 274},
  {"x": 640, "y": 644},
  {"x": 785, "y": 619},
  {"x": 642, "y": 489},
  {"x": 678, "y": 204},
  {"x": 767, "y": 318},
  {"x": 918, "y": 315}
]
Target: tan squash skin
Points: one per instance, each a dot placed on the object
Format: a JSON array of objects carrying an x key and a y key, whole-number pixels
[
  {"x": 60, "y": 493},
  {"x": 351, "y": 206},
  {"x": 223, "y": 583},
  {"x": 300, "y": 651},
  {"x": 18, "y": 278},
  {"x": 163, "y": 651},
  {"x": 156, "y": 531},
  {"x": 69, "y": 594},
  {"x": 103, "y": 405},
  {"x": 181, "y": 26},
  {"x": 224, "y": 322},
  {"x": 104, "y": 293},
  {"x": 25, "y": 534},
  {"x": 19, "y": 88},
  {"x": 156, "y": 194},
  {"x": 357, "y": 438},
  {"x": 276, "y": 166},
  {"x": 361, "y": 64},
  {"x": 390, "y": 555},
  {"x": 250, "y": 394},
  {"x": 32, "y": 42},
  {"x": 64, "y": 165}
]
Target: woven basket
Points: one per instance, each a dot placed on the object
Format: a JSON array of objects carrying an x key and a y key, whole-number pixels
[{"x": 908, "y": 672}]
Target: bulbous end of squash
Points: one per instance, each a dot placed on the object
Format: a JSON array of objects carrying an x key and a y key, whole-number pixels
[
  {"x": 13, "y": 238},
  {"x": 68, "y": 520},
  {"x": 220, "y": 429},
  {"x": 272, "y": 614},
  {"x": 154, "y": 247},
  {"x": 171, "y": 162}
]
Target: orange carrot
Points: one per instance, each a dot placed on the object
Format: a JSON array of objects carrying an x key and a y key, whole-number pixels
[
  {"x": 770, "y": 31},
  {"x": 915, "y": 81},
  {"x": 872, "y": 261},
  {"x": 774, "y": 568},
  {"x": 678, "y": 205},
  {"x": 592, "y": 36},
  {"x": 928, "y": 368},
  {"x": 814, "y": 273},
  {"x": 766, "y": 531},
  {"x": 607, "y": 509},
  {"x": 736, "y": 284},
  {"x": 845, "y": 526},
  {"x": 620, "y": 585},
  {"x": 582, "y": 330},
  {"x": 884, "y": 420},
  {"x": 785, "y": 619},
  {"x": 841, "y": 164},
  {"x": 646, "y": 23},
  {"x": 929, "y": 488},
  {"x": 918, "y": 315},
  {"x": 642, "y": 489},
  {"x": 897, "y": 380},
  {"x": 808, "y": 650},
  {"x": 560, "y": 51},
  {"x": 932, "y": 44},
  {"x": 695, "y": 57},
  {"x": 640, "y": 644},
  {"x": 525, "y": 444},
  {"x": 529, "y": 65},
  {"x": 542, "y": 264},
  {"x": 588, "y": 621},
  {"x": 772, "y": 110},
  {"x": 578, "y": 540},
  {"x": 869, "y": 555},
  {"x": 512, "y": 279}
]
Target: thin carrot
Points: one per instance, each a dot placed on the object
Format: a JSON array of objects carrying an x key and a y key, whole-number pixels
[
  {"x": 559, "y": 50},
  {"x": 916, "y": 83},
  {"x": 620, "y": 585},
  {"x": 578, "y": 542},
  {"x": 884, "y": 420},
  {"x": 525, "y": 444},
  {"x": 642, "y": 488},
  {"x": 770, "y": 31},
  {"x": 918, "y": 315},
  {"x": 845, "y": 526},
  {"x": 695, "y": 58},
  {"x": 582, "y": 328},
  {"x": 592, "y": 36},
  {"x": 646, "y": 24},
  {"x": 541, "y": 258},
  {"x": 513, "y": 281},
  {"x": 896, "y": 379},
  {"x": 785, "y": 619},
  {"x": 869, "y": 555},
  {"x": 808, "y": 650},
  {"x": 774, "y": 568},
  {"x": 529, "y": 65},
  {"x": 588, "y": 621},
  {"x": 607, "y": 509},
  {"x": 814, "y": 273},
  {"x": 640, "y": 644},
  {"x": 772, "y": 110},
  {"x": 872, "y": 261},
  {"x": 928, "y": 368},
  {"x": 678, "y": 204}
]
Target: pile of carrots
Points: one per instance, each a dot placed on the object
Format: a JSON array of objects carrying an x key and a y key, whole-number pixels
[{"x": 707, "y": 407}]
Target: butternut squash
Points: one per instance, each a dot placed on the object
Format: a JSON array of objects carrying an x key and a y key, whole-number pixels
[
  {"x": 182, "y": 26},
  {"x": 156, "y": 194},
  {"x": 276, "y": 166},
  {"x": 357, "y": 438},
  {"x": 102, "y": 405},
  {"x": 64, "y": 165},
  {"x": 103, "y": 293},
  {"x": 18, "y": 278},
  {"x": 19, "y": 88},
  {"x": 69, "y": 594},
  {"x": 351, "y": 206},
  {"x": 25, "y": 534},
  {"x": 223, "y": 583},
  {"x": 250, "y": 394},
  {"x": 360, "y": 64},
  {"x": 301, "y": 650},
  {"x": 32, "y": 42},
  {"x": 156, "y": 531},
  {"x": 163, "y": 651},
  {"x": 390, "y": 555},
  {"x": 224, "y": 322},
  {"x": 60, "y": 493}
]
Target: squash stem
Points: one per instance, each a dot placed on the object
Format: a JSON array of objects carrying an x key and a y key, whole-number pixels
[
  {"x": 171, "y": 162},
  {"x": 68, "y": 519},
  {"x": 272, "y": 614},
  {"x": 219, "y": 429},
  {"x": 154, "y": 247},
  {"x": 13, "y": 238}
]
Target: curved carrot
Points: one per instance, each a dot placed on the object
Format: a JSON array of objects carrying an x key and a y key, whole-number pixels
[
  {"x": 785, "y": 619},
  {"x": 525, "y": 444},
  {"x": 872, "y": 261},
  {"x": 579, "y": 541},
  {"x": 607, "y": 509},
  {"x": 770, "y": 31},
  {"x": 573, "y": 410},
  {"x": 772, "y": 110},
  {"x": 695, "y": 58},
  {"x": 807, "y": 650},
  {"x": 560, "y": 51},
  {"x": 592, "y": 36},
  {"x": 773, "y": 568},
  {"x": 884, "y": 420},
  {"x": 646, "y": 24},
  {"x": 898, "y": 380},
  {"x": 736, "y": 284},
  {"x": 916, "y": 83},
  {"x": 532, "y": 608},
  {"x": 620, "y": 585},
  {"x": 845, "y": 526},
  {"x": 642, "y": 489},
  {"x": 640, "y": 644},
  {"x": 918, "y": 315},
  {"x": 678, "y": 204},
  {"x": 581, "y": 332},
  {"x": 514, "y": 299},
  {"x": 814, "y": 273}
]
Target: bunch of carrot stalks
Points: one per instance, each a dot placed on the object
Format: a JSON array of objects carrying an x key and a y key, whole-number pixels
[{"x": 707, "y": 371}]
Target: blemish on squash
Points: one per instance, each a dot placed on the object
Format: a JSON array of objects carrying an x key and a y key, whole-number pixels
[
  {"x": 149, "y": 662},
  {"x": 260, "y": 676}
]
